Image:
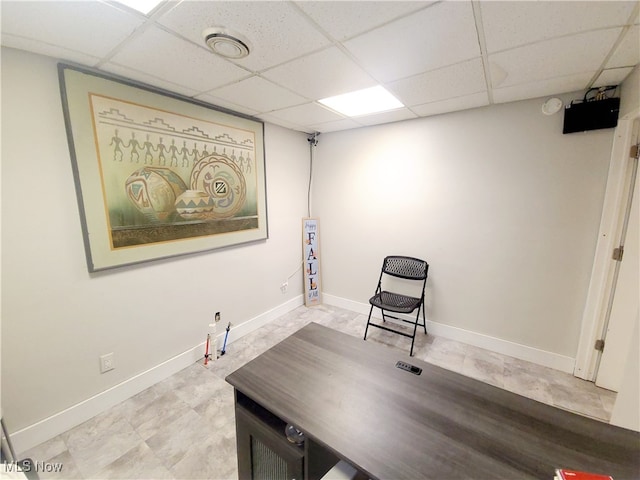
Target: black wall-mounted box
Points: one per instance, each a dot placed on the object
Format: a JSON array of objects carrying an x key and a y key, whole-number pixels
[{"x": 593, "y": 115}]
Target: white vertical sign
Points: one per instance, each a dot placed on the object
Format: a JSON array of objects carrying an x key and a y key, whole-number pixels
[{"x": 311, "y": 261}]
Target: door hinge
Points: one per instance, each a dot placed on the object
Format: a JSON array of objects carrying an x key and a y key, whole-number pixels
[
  {"x": 634, "y": 151},
  {"x": 618, "y": 253},
  {"x": 599, "y": 345}
]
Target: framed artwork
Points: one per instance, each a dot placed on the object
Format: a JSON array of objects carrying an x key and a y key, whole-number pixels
[
  {"x": 159, "y": 175},
  {"x": 311, "y": 250}
]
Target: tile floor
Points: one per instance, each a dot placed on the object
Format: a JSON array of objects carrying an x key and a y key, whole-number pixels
[{"x": 183, "y": 427}]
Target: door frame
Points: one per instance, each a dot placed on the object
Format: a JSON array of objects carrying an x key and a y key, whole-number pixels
[{"x": 602, "y": 273}]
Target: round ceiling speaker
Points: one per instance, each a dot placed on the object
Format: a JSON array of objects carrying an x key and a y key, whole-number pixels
[{"x": 226, "y": 43}]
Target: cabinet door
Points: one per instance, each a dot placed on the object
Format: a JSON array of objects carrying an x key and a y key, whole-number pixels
[{"x": 264, "y": 453}]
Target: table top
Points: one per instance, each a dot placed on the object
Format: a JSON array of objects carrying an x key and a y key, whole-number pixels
[{"x": 349, "y": 396}]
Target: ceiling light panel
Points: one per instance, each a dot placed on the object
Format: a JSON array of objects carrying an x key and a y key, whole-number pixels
[
  {"x": 142, "y": 6},
  {"x": 363, "y": 102},
  {"x": 386, "y": 117}
]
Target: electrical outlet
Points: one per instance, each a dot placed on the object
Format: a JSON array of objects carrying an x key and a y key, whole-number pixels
[
  {"x": 284, "y": 287},
  {"x": 106, "y": 362}
]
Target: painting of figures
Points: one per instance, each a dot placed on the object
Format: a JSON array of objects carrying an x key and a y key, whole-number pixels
[{"x": 157, "y": 175}]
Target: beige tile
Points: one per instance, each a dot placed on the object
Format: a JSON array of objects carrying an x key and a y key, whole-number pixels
[
  {"x": 199, "y": 388},
  {"x": 176, "y": 438},
  {"x": 219, "y": 412},
  {"x": 579, "y": 400},
  {"x": 130, "y": 407},
  {"x": 59, "y": 467},
  {"x": 443, "y": 352},
  {"x": 518, "y": 379},
  {"x": 46, "y": 450},
  {"x": 213, "y": 458},
  {"x": 99, "y": 441},
  {"x": 608, "y": 399},
  {"x": 450, "y": 361},
  {"x": 152, "y": 418},
  {"x": 485, "y": 366},
  {"x": 139, "y": 462}
]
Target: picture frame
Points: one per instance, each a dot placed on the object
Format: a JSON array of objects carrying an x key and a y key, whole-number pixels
[{"x": 157, "y": 174}]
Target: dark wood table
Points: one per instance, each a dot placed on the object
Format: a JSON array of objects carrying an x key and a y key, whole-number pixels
[{"x": 351, "y": 401}]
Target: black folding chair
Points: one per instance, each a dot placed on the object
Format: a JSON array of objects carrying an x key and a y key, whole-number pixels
[{"x": 390, "y": 299}]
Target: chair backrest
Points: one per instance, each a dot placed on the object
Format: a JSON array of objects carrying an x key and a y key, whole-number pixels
[{"x": 405, "y": 267}]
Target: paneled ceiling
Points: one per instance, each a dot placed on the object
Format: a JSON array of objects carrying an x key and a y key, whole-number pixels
[{"x": 435, "y": 57}]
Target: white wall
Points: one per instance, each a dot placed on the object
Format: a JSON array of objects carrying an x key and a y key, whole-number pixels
[
  {"x": 503, "y": 207},
  {"x": 57, "y": 318}
]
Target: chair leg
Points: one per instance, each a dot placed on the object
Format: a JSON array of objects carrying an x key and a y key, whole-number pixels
[
  {"x": 424, "y": 319},
  {"x": 415, "y": 329},
  {"x": 368, "y": 321}
]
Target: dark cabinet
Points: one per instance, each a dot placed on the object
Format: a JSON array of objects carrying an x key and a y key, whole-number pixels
[{"x": 264, "y": 453}]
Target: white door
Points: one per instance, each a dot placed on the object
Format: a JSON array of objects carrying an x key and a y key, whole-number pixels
[{"x": 625, "y": 303}]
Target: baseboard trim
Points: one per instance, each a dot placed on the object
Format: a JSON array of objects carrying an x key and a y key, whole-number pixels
[
  {"x": 73, "y": 416},
  {"x": 60, "y": 422},
  {"x": 238, "y": 331},
  {"x": 498, "y": 345}
]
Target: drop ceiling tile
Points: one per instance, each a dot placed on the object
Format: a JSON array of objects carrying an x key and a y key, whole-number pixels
[
  {"x": 613, "y": 76},
  {"x": 307, "y": 114},
  {"x": 628, "y": 52},
  {"x": 225, "y": 104},
  {"x": 345, "y": 19},
  {"x": 49, "y": 50},
  {"x": 320, "y": 75},
  {"x": 386, "y": 117},
  {"x": 276, "y": 31},
  {"x": 452, "y": 104},
  {"x": 454, "y": 81},
  {"x": 143, "y": 77},
  {"x": 70, "y": 25},
  {"x": 510, "y": 24},
  {"x": 166, "y": 56},
  {"x": 542, "y": 88},
  {"x": 268, "y": 118},
  {"x": 258, "y": 94},
  {"x": 344, "y": 124},
  {"x": 442, "y": 34},
  {"x": 564, "y": 56}
]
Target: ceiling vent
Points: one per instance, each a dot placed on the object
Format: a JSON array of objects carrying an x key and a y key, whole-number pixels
[{"x": 226, "y": 43}]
